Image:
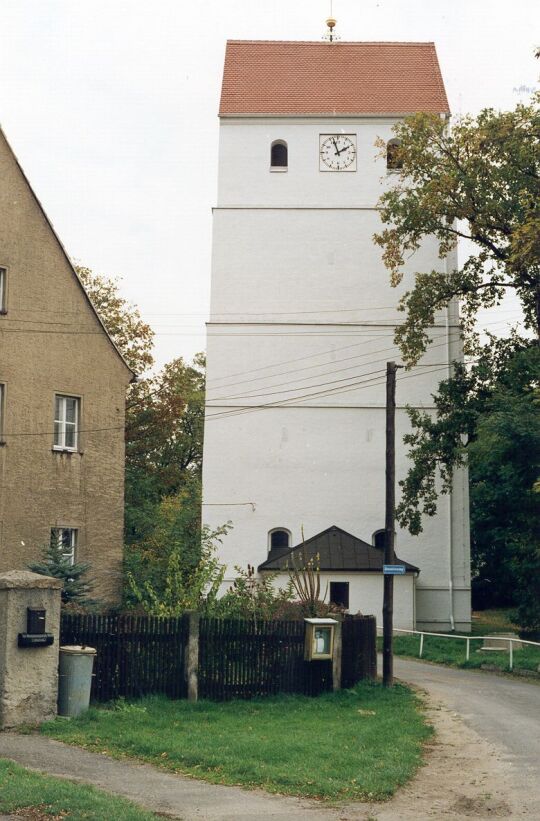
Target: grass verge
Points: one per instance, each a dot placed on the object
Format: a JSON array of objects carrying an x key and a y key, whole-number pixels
[
  {"x": 356, "y": 744},
  {"x": 45, "y": 797},
  {"x": 453, "y": 651}
]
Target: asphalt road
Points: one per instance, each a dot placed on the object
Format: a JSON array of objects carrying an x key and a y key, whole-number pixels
[{"x": 503, "y": 711}]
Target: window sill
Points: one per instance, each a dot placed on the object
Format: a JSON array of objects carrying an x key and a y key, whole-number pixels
[
  {"x": 3, "y": 312},
  {"x": 276, "y": 169},
  {"x": 67, "y": 450}
]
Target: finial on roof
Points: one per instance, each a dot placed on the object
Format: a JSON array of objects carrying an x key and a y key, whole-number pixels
[{"x": 331, "y": 23}]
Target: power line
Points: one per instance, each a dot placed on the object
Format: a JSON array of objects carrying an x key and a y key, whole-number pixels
[{"x": 361, "y": 384}]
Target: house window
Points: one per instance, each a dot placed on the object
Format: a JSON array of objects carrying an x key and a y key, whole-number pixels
[
  {"x": 279, "y": 155},
  {"x": 379, "y": 538},
  {"x": 3, "y": 288},
  {"x": 279, "y": 538},
  {"x": 339, "y": 594},
  {"x": 66, "y": 422},
  {"x": 65, "y": 538},
  {"x": 393, "y": 160}
]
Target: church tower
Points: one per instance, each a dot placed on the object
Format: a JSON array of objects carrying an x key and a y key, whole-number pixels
[{"x": 302, "y": 322}]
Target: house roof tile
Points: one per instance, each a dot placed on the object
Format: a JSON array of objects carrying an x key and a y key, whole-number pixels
[{"x": 309, "y": 78}]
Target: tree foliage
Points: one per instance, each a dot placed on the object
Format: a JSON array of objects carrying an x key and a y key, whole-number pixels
[
  {"x": 176, "y": 568},
  {"x": 76, "y": 589},
  {"x": 164, "y": 411},
  {"x": 164, "y": 438},
  {"x": 477, "y": 180},
  {"x": 133, "y": 337}
]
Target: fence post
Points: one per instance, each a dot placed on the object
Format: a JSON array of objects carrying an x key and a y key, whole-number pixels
[
  {"x": 192, "y": 656},
  {"x": 337, "y": 656},
  {"x": 511, "y": 643},
  {"x": 421, "y": 645}
]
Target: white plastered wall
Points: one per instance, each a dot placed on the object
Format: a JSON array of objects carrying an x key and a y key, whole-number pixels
[{"x": 301, "y": 304}]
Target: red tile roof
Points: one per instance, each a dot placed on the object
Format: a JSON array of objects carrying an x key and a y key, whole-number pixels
[{"x": 267, "y": 77}]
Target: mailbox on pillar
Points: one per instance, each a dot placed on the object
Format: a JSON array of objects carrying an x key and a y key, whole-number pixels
[
  {"x": 35, "y": 635},
  {"x": 319, "y": 642}
]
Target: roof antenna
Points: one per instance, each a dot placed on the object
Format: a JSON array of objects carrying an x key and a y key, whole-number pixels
[{"x": 331, "y": 23}]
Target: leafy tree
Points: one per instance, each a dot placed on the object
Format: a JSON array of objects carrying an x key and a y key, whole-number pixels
[
  {"x": 477, "y": 180},
  {"x": 164, "y": 412},
  {"x": 164, "y": 436},
  {"x": 53, "y": 563},
  {"x": 133, "y": 337},
  {"x": 176, "y": 568}
]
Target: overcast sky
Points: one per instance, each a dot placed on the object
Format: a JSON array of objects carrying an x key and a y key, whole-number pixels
[{"x": 104, "y": 101}]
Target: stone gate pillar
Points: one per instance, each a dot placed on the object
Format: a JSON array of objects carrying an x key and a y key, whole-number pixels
[{"x": 28, "y": 674}]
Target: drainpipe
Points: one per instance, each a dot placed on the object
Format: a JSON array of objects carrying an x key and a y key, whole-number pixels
[{"x": 450, "y": 517}]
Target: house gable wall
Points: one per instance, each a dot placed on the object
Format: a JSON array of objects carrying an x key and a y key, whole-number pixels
[{"x": 51, "y": 341}]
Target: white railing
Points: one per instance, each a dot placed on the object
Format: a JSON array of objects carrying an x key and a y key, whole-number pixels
[{"x": 468, "y": 639}]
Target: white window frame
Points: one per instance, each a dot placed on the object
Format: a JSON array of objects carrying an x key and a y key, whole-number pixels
[
  {"x": 65, "y": 426},
  {"x": 3, "y": 289},
  {"x": 66, "y": 537}
]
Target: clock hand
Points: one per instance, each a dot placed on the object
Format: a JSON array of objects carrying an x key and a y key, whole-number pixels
[{"x": 338, "y": 152}]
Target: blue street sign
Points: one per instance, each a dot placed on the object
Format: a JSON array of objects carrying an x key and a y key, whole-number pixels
[{"x": 393, "y": 569}]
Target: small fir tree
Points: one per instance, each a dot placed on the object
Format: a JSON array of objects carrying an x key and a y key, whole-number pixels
[{"x": 54, "y": 563}]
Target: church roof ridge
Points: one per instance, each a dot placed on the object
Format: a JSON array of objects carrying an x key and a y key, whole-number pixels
[{"x": 341, "y": 42}]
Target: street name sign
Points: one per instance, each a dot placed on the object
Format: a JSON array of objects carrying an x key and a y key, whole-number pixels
[{"x": 393, "y": 569}]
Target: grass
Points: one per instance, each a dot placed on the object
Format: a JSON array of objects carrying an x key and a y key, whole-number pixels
[
  {"x": 356, "y": 744},
  {"x": 44, "y": 797},
  {"x": 453, "y": 651}
]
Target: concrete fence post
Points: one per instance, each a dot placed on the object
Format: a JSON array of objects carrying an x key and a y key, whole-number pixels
[
  {"x": 29, "y": 664},
  {"x": 337, "y": 656},
  {"x": 192, "y": 656}
]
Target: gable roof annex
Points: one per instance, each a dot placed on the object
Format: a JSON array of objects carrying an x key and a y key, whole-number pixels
[
  {"x": 336, "y": 550},
  {"x": 65, "y": 254},
  {"x": 309, "y": 78}
]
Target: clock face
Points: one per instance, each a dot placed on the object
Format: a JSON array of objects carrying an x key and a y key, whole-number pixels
[{"x": 337, "y": 152}]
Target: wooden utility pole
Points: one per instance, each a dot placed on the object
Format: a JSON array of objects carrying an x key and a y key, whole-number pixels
[{"x": 390, "y": 504}]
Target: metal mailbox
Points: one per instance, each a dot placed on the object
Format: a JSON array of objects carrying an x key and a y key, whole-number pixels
[{"x": 35, "y": 635}]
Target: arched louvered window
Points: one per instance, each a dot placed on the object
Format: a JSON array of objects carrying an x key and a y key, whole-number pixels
[
  {"x": 279, "y": 538},
  {"x": 393, "y": 159},
  {"x": 379, "y": 538},
  {"x": 279, "y": 155}
]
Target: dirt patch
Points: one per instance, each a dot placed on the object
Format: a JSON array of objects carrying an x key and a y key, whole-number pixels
[{"x": 464, "y": 777}]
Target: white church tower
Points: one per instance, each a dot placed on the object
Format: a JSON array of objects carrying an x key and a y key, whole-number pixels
[{"x": 302, "y": 323}]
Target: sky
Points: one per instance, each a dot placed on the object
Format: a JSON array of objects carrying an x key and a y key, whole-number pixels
[{"x": 111, "y": 108}]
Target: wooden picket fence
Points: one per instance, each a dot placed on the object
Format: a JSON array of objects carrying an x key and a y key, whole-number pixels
[{"x": 139, "y": 655}]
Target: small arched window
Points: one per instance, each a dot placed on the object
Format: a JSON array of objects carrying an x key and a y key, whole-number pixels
[
  {"x": 279, "y": 155},
  {"x": 280, "y": 539},
  {"x": 393, "y": 158},
  {"x": 379, "y": 538}
]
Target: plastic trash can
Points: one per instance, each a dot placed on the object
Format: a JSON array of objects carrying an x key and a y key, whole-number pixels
[{"x": 75, "y": 679}]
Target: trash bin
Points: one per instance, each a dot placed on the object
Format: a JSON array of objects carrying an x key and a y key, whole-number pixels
[{"x": 75, "y": 679}]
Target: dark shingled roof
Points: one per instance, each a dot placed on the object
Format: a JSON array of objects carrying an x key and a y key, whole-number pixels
[{"x": 337, "y": 550}]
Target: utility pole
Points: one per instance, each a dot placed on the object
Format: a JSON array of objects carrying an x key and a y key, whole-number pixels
[{"x": 390, "y": 504}]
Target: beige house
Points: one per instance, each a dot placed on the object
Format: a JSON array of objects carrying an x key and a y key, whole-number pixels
[{"x": 62, "y": 399}]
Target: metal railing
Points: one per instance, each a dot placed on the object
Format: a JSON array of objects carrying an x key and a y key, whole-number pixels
[{"x": 468, "y": 639}]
